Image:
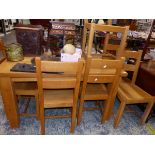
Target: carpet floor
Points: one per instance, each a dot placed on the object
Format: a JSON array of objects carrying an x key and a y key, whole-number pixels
[{"x": 90, "y": 124}]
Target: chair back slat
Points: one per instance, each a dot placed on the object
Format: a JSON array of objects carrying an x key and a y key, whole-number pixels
[
  {"x": 112, "y": 47},
  {"x": 109, "y": 28},
  {"x": 132, "y": 54},
  {"x": 59, "y": 67},
  {"x": 58, "y": 83},
  {"x": 129, "y": 67}
]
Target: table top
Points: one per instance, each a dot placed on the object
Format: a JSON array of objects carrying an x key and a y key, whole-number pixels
[{"x": 5, "y": 67}]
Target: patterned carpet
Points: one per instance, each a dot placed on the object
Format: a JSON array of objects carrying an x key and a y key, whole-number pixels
[{"x": 90, "y": 124}]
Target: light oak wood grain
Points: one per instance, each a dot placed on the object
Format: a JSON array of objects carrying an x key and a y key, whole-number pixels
[
  {"x": 58, "y": 92},
  {"x": 101, "y": 86},
  {"x": 129, "y": 93},
  {"x": 90, "y": 29}
]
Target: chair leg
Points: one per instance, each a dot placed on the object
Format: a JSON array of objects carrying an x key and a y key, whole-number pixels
[
  {"x": 80, "y": 112},
  {"x": 146, "y": 112},
  {"x": 119, "y": 114},
  {"x": 104, "y": 115},
  {"x": 17, "y": 101},
  {"x": 42, "y": 121},
  {"x": 109, "y": 109},
  {"x": 73, "y": 119},
  {"x": 37, "y": 107},
  {"x": 27, "y": 104}
]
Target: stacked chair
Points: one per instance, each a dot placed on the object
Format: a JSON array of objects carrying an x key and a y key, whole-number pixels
[
  {"x": 102, "y": 75},
  {"x": 127, "y": 91}
]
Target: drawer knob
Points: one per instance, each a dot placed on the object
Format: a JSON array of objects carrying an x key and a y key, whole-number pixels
[
  {"x": 96, "y": 79},
  {"x": 105, "y": 66}
]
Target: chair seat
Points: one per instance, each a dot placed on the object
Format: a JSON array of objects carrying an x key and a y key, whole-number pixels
[
  {"x": 96, "y": 92},
  {"x": 131, "y": 93},
  {"x": 58, "y": 98},
  {"x": 25, "y": 88}
]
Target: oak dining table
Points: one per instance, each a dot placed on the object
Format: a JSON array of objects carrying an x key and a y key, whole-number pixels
[{"x": 7, "y": 78}]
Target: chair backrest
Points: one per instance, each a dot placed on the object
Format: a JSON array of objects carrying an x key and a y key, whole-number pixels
[
  {"x": 132, "y": 63},
  {"x": 92, "y": 28},
  {"x": 102, "y": 71},
  {"x": 58, "y": 75}
]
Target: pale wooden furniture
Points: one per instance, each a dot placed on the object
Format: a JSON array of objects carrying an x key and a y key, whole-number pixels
[
  {"x": 58, "y": 91},
  {"x": 7, "y": 78},
  {"x": 91, "y": 28},
  {"x": 101, "y": 86},
  {"x": 88, "y": 52},
  {"x": 27, "y": 89},
  {"x": 129, "y": 93}
]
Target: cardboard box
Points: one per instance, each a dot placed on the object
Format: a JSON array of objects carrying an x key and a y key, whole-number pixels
[{"x": 65, "y": 57}]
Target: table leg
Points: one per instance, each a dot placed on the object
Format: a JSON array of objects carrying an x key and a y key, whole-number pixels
[{"x": 9, "y": 101}]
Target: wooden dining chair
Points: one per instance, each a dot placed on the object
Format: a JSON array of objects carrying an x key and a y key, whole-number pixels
[
  {"x": 58, "y": 85},
  {"x": 27, "y": 90},
  {"x": 91, "y": 28},
  {"x": 128, "y": 92},
  {"x": 100, "y": 83}
]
